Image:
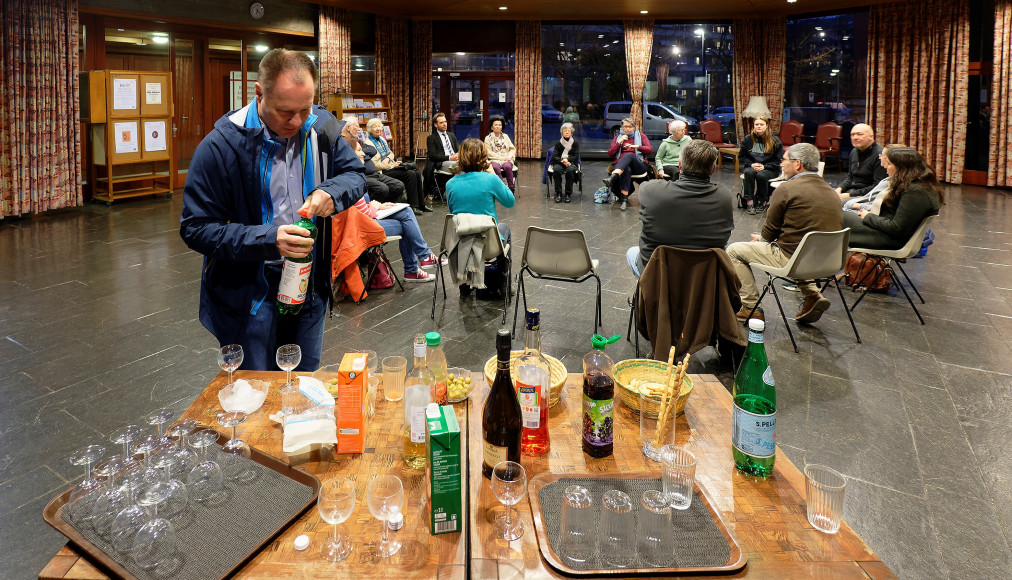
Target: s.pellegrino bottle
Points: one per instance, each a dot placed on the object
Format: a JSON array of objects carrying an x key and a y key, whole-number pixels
[
  {"x": 534, "y": 380},
  {"x": 598, "y": 398},
  {"x": 500, "y": 419},
  {"x": 417, "y": 395},
  {"x": 295, "y": 273},
  {"x": 754, "y": 415}
]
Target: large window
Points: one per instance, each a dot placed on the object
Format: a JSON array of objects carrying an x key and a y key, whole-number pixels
[{"x": 690, "y": 71}]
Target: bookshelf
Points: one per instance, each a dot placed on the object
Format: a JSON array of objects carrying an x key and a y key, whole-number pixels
[{"x": 366, "y": 106}]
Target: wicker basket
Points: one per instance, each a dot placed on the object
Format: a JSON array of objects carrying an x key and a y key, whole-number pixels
[
  {"x": 647, "y": 370},
  {"x": 559, "y": 374}
]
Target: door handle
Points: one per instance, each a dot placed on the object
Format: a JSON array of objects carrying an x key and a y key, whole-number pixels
[
  {"x": 174, "y": 130},
  {"x": 198, "y": 128},
  {"x": 183, "y": 117}
]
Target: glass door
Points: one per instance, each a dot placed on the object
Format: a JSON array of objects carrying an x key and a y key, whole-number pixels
[
  {"x": 500, "y": 104},
  {"x": 188, "y": 121},
  {"x": 471, "y": 100},
  {"x": 466, "y": 108}
]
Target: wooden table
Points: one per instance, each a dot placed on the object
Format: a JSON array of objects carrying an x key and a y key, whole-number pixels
[
  {"x": 766, "y": 516},
  {"x": 421, "y": 556}
]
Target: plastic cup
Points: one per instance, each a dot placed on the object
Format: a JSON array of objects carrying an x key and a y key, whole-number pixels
[
  {"x": 618, "y": 529},
  {"x": 656, "y": 536},
  {"x": 655, "y": 431},
  {"x": 824, "y": 490},
  {"x": 370, "y": 409},
  {"x": 678, "y": 470},
  {"x": 578, "y": 531},
  {"x": 394, "y": 368}
]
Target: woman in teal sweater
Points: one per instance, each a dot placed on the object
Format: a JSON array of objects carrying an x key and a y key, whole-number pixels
[{"x": 475, "y": 190}]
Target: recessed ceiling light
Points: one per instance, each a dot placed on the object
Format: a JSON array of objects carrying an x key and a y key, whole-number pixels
[
  {"x": 791, "y": 1},
  {"x": 643, "y": 11},
  {"x": 835, "y": 70},
  {"x": 845, "y": 38},
  {"x": 461, "y": 53},
  {"x": 502, "y": 8},
  {"x": 160, "y": 40},
  {"x": 261, "y": 48},
  {"x": 600, "y": 36},
  {"x": 121, "y": 29},
  {"x": 818, "y": 28},
  {"x": 823, "y": 34}
]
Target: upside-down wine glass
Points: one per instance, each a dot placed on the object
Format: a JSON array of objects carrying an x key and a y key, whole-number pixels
[
  {"x": 86, "y": 456},
  {"x": 230, "y": 358},
  {"x": 124, "y": 436},
  {"x": 509, "y": 484},
  {"x": 155, "y": 542},
  {"x": 335, "y": 504},
  {"x": 205, "y": 479},
  {"x": 113, "y": 499},
  {"x": 183, "y": 459},
  {"x": 159, "y": 418},
  {"x": 385, "y": 497}
]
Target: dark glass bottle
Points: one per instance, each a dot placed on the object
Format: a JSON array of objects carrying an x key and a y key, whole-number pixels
[
  {"x": 598, "y": 398},
  {"x": 754, "y": 416},
  {"x": 500, "y": 419},
  {"x": 294, "y": 283}
]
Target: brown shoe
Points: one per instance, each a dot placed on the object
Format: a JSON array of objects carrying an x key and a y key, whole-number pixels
[
  {"x": 743, "y": 313},
  {"x": 812, "y": 308}
]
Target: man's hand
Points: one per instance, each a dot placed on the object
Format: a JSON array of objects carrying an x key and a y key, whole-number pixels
[
  {"x": 839, "y": 190},
  {"x": 453, "y": 157},
  {"x": 566, "y": 163},
  {"x": 756, "y": 237},
  {"x": 862, "y": 213},
  {"x": 844, "y": 196},
  {"x": 319, "y": 203},
  {"x": 294, "y": 242}
]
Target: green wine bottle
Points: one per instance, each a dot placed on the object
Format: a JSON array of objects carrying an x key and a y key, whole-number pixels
[
  {"x": 295, "y": 274},
  {"x": 754, "y": 416}
]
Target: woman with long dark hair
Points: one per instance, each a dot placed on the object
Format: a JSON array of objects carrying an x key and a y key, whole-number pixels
[
  {"x": 761, "y": 153},
  {"x": 914, "y": 193}
]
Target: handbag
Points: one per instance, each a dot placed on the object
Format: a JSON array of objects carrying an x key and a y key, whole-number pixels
[
  {"x": 861, "y": 269},
  {"x": 382, "y": 279}
]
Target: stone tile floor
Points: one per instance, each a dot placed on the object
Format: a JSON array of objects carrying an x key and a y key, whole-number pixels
[{"x": 98, "y": 326}]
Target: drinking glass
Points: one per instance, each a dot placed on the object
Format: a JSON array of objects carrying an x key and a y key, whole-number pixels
[
  {"x": 230, "y": 358},
  {"x": 288, "y": 357},
  {"x": 509, "y": 484},
  {"x": 385, "y": 497},
  {"x": 656, "y": 538},
  {"x": 183, "y": 459},
  {"x": 234, "y": 445},
  {"x": 176, "y": 496},
  {"x": 394, "y": 368},
  {"x": 205, "y": 480},
  {"x": 146, "y": 449},
  {"x": 130, "y": 519},
  {"x": 155, "y": 542},
  {"x": 678, "y": 471},
  {"x": 579, "y": 533},
  {"x": 114, "y": 497},
  {"x": 86, "y": 456},
  {"x": 159, "y": 418},
  {"x": 618, "y": 529},
  {"x": 371, "y": 361},
  {"x": 824, "y": 489},
  {"x": 335, "y": 504},
  {"x": 124, "y": 436},
  {"x": 655, "y": 431}
]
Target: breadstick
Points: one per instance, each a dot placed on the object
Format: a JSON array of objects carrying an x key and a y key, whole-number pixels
[{"x": 665, "y": 413}]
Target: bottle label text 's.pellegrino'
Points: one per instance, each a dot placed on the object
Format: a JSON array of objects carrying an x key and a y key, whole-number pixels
[
  {"x": 530, "y": 406},
  {"x": 753, "y": 434},
  {"x": 597, "y": 420}
]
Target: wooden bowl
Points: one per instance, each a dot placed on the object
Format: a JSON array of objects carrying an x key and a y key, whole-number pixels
[
  {"x": 653, "y": 371},
  {"x": 559, "y": 374}
]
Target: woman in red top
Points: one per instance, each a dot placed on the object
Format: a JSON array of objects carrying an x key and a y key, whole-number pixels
[{"x": 629, "y": 149}]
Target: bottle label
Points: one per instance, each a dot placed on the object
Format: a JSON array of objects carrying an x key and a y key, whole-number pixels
[
  {"x": 768, "y": 377},
  {"x": 754, "y": 336},
  {"x": 752, "y": 434},
  {"x": 530, "y": 406},
  {"x": 493, "y": 454},
  {"x": 597, "y": 420},
  {"x": 294, "y": 282},
  {"x": 418, "y": 424}
]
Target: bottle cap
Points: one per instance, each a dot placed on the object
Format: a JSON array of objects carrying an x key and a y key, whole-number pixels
[
  {"x": 599, "y": 342},
  {"x": 304, "y": 213},
  {"x": 358, "y": 365},
  {"x": 756, "y": 325},
  {"x": 419, "y": 349},
  {"x": 301, "y": 542},
  {"x": 432, "y": 410},
  {"x": 432, "y": 338},
  {"x": 533, "y": 319},
  {"x": 503, "y": 343},
  {"x": 396, "y": 521}
]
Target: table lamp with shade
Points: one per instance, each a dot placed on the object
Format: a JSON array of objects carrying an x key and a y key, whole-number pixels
[{"x": 756, "y": 109}]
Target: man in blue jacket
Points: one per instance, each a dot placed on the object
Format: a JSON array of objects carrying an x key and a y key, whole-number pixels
[{"x": 246, "y": 184}]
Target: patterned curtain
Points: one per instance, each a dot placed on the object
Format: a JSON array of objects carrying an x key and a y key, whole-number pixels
[
  {"x": 392, "y": 45},
  {"x": 639, "y": 41},
  {"x": 40, "y": 137},
  {"x": 421, "y": 72},
  {"x": 999, "y": 172},
  {"x": 528, "y": 89},
  {"x": 335, "y": 51},
  {"x": 918, "y": 61},
  {"x": 760, "y": 60}
]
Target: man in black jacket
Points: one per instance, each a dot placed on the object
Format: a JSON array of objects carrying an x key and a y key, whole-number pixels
[
  {"x": 441, "y": 150},
  {"x": 865, "y": 170}
]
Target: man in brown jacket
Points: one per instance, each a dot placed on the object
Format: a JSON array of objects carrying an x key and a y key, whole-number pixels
[{"x": 804, "y": 203}]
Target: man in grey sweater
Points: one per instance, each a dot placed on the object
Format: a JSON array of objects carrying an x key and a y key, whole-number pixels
[{"x": 691, "y": 213}]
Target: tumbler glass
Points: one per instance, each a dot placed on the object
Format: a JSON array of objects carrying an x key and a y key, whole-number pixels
[
  {"x": 678, "y": 470},
  {"x": 824, "y": 490},
  {"x": 618, "y": 529},
  {"x": 656, "y": 537},
  {"x": 578, "y": 532}
]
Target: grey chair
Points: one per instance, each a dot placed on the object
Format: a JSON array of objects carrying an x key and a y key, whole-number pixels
[
  {"x": 449, "y": 239},
  {"x": 819, "y": 257},
  {"x": 558, "y": 255},
  {"x": 890, "y": 257}
]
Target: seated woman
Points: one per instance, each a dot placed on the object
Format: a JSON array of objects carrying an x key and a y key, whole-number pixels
[
  {"x": 564, "y": 159},
  {"x": 630, "y": 150},
  {"x": 914, "y": 194},
  {"x": 386, "y": 162},
  {"x": 761, "y": 153},
  {"x": 501, "y": 153},
  {"x": 415, "y": 253},
  {"x": 476, "y": 190},
  {"x": 871, "y": 201}
]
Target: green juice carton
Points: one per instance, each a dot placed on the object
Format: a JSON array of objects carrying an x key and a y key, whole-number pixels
[{"x": 443, "y": 469}]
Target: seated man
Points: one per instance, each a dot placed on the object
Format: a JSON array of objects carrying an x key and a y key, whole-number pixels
[
  {"x": 691, "y": 213},
  {"x": 441, "y": 150},
  {"x": 865, "y": 170},
  {"x": 867, "y": 202},
  {"x": 667, "y": 154},
  {"x": 382, "y": 188},
  {"x": 804, "y": 203}
]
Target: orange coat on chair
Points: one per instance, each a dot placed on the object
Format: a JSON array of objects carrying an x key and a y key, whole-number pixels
[{"x": 352, "y": 233}]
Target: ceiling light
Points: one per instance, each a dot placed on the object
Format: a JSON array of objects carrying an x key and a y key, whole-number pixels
[
  {"x": 121, "y": 29},
  {"x": 461, "y": 53},
  {"x": 166, "y": 34},
  {"x": 822, "y": 34},
  {"x": 643, "y": 11},
  {"x": 846, "y": 38},
  {"x": 609, "y": 54},
  {"x": 791, "y": 1},
  {"x": 835, "y": 70},
  {"x": 698, "y": 32},
  {"x": 832, "y": 74},
  {"x": 502, "y": 8},
  {"x": 676, "y": 51},
  {"x": 600, "y": 36},
  {"x": 818, "y": 28},
  {"x": 562, "y": 44},
  {"x": 260, "y": 48},
  {"x": 160, "y": 40}
]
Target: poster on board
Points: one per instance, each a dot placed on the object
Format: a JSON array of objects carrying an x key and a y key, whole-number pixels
[
  {"x": 154, "y": 135},
  {"x": 126, "y": 138},
  {"x": 124, "y": 94},
  {"x": 153, "y": 93}
]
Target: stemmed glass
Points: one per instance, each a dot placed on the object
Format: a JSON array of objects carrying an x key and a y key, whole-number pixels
[
  {"x": 129, "y": 520},
  {"x": 335, "y": 504},
  {"x": 183, "y": 460},
  {"x": 159, "y": 418},
  {"x": 146, "y": 448},
  {"x": 113, "y": 499},
  {"x": 155, "y": 542},
  {"x": 204, "y": 480},
  {"x": 86, "y": 456},
  {"x": 236, "y": 448},
  {"x": 385, "y": 497},
  {"x": 288, "y": 357},
  {"x": 176, "y": 496},
  {"x": 124, "y": 436},
  {"x": 230, "y": 358},
  {"x": 509, "y": 484}
]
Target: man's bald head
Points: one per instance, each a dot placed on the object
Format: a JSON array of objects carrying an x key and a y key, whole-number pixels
[{"x": 862, "y": 136}]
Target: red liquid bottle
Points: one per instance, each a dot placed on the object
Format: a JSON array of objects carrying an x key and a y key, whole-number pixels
[{"x": 534, "y": 380}]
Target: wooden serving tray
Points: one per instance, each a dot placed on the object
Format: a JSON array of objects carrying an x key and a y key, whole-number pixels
[
  {"x": 736, "y": 561},
  {"x": 105, "y": 562}
]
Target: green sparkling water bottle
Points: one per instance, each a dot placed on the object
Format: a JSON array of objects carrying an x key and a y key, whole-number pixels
[
  {"x": 294, "y": 283},
  {"x": 754, "y": 416}
]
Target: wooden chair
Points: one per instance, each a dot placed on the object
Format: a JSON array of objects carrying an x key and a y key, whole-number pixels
[
  {"x": 711, "y": 131},
  {"x": 792, "y": 133},
  {"x": 421, "y": 151},
  {"x": 827, "y": 141}
]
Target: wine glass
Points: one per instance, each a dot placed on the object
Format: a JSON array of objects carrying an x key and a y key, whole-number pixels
[
  {"x": 159, "y": 418},
  {"x": 183, "y": 459},
  {"x": 205, "y": 480},
  {"x": 236, "y": 448},
  {"x": 230, "y": 358},
  {"x": 146, "y": 449},
  {"x": 113, "y": 499},
  {"x": 335, "y": 504},
  {"x": 155, "y": 541},
  {"x": 86, "y": 456},
  {"x": 385, "y": 497},
  {"x": 124, "y": 436},
  {"x": 509, "y": 484},
  {"x": 288, "y": 357},
  {"x": 130, "y": 519}
]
